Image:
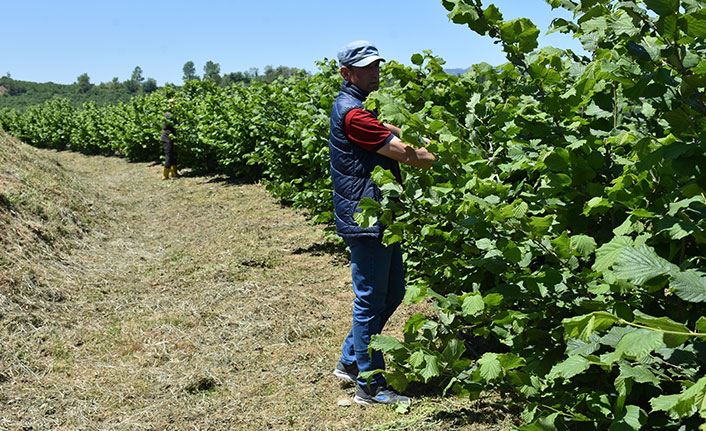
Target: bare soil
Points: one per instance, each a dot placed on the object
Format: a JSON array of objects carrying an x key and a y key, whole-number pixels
[{"x": 195, "y": 303}]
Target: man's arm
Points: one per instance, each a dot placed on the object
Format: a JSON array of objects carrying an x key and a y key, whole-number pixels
[
  {"x": 394, "y": 129},
  {"x": 407, "y": 154},
  {"x": 363, "y": 128}
]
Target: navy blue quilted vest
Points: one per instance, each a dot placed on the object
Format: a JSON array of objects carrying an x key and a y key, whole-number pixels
[{"x": 351, "y": 167}]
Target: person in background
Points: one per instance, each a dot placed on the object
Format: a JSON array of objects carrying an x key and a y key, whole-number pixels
[
  {"x": 358, "y": 142},
  {"x": 170, "y": 155}
]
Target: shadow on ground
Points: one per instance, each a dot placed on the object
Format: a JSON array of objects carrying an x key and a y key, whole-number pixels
[
  {"x": 335, "y": 249},
  {"x": 481, "y": 412}
]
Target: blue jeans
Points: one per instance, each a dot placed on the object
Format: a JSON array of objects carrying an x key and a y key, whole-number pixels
[{"x": 378, "y": 283}]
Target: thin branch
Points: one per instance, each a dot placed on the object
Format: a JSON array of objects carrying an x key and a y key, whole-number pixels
[{"x": 664, "y": 331}]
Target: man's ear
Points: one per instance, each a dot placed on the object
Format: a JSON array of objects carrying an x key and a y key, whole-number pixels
[{"x": 345, "y": 73}]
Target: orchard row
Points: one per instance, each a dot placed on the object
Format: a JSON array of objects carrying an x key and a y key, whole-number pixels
[{"x": 561, "y": 233}]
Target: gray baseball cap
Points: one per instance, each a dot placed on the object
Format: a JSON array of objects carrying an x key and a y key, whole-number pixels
[{"x": 358, "y": 54}]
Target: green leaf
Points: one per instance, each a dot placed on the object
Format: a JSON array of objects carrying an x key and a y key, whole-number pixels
[
  {"x": 695, "y": 24},
  {"x": 545, "y": 422},
  {"x": 582, "y": 327},
  {"x": 624, "y": 25},
  {"x": 597, "y": 205},
  {"x": 664, "y": 324},
  {"x": 396, "y": 379},
  {"x": 675, "y": 207},
  {"x": 685, "y": 404},
  {"x": 594, "y": 110},
  {"x": 643, "y": 51},
  {"x": 493, "y": 299},
  {"x": 385, "y": 343},
  {"x": 599, "y": 403},
  {"x": 642, "y": 213},
  {"x": 562, "y": 245},
  {"x": 485, "y": 244},
  {"x": 609, "y": 252},
  {"x": 558, "y": 160},
  {"x": 628, "y": 375},
  {"x": 431, "y": 367},
  {"x": 663, "y": 7},
  {"x": 492, "y": 14},
  {"x": 453, "y": 351},
  {"x": 509, "y": 361},
  {"x": 583, "y": 244},
  {"x": 490, "y": 368},
  {"x": 416, "y": 360},
  {"x": 667, "y": 26},
  {"x": 473, "y": 304},
  {"x": 616, "y": 333},
  {"x": 542, "y": 225},
  {"x": 640, "y": 343},
  {"x": 394, "y": 113},
  {"x": 415, "y": 323},
  {"x": 368, "y": 375},
  {"x": 689, "y": 286},
  {"x": 504, "y": 212},
  {"x": 569, "y": 368},
  {"x": 638, "y": 373},
  {"x": 625, "y": 228},
  {"x": 460, "y": 11},
  {"x": 598, "y": 24},
  {"x": 403, "y": 408},
  {"x": 369, "y": 208},
  {"x": 392, "y": 189},
  {"x": 701, "y": 325},
  {"x": 676, "y": 227},
  {"x": 382, "y": 176},
  {"x": 640, "y": 264},
  {"x": 632, "y": 418},
  {"x": 522, "y": 32},
  {"x": 648, "y": 110},
  {"x": 519, "y": 209},
  {"x": 512, "y": 253},
  {"x": 679, "y": 119},
  {"x": 574, "y": 346}
]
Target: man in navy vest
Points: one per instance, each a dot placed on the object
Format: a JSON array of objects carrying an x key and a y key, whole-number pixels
[{"x": 358, "y": 142}]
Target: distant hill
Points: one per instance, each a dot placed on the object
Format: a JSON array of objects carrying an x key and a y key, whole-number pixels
[{"x": 456, "y": 71}]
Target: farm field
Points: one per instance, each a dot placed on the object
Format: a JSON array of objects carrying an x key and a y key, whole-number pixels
[
  {"x": 555, "y": 252},
  {"x": 195, "y": 303}
]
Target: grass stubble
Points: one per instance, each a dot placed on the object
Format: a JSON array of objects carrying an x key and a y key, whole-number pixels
[{"x": 129, "y": 302}]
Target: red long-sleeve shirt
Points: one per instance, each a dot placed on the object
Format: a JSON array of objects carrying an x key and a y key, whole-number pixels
[{"x": 366, "y": 131}]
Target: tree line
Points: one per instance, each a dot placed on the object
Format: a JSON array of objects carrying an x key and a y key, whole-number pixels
[
  {"x": 17, "y": 94},
  {"x": 212, "y": 73}
]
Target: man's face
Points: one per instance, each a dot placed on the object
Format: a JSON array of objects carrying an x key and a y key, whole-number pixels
[{"x": 366, "y": 78}]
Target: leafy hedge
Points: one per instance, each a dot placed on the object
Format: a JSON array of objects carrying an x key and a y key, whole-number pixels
[
  {"x": 560, "y": 235},
  {"x": 277, "y": 133}
]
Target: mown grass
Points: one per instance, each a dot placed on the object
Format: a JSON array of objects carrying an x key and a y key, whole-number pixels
[{"x": 128, "y": 302}]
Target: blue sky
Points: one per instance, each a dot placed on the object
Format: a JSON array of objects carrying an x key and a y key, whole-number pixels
[{"x": 59, "y": 40}]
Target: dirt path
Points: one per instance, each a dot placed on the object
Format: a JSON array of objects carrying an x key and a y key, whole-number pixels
[{"x": 200, "y": 304}]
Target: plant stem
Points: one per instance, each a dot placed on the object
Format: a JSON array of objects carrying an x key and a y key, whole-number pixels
[{"x": 664, "y": 331}]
